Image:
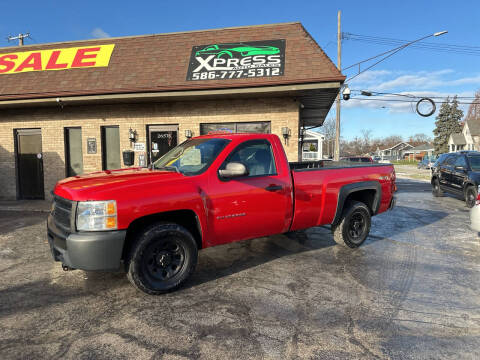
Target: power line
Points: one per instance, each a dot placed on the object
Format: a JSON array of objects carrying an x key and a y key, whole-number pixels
[
  {"x": 430, "y": 46},
  {"x": 410, "y": 95},
  {"x": 411, "y": 101}
]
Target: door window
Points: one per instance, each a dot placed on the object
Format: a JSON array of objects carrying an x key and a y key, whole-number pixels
[
  {"x": 461, "y": 162},
  {"x": 449, "y": 160},
  {"x": 73, "y": 151},
  {"x": 256, "y": 155},
  {"x": 110, "y": 147}
]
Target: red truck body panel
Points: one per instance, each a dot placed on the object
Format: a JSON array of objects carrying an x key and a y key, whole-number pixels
[
  {"x": 317, "y": 191},
  {"x": 233, "y": 210}
]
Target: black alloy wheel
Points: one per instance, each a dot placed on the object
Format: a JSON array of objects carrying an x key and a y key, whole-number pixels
[
  {"x": 357, "y": 226},
  {"x": 162, "y": 260},
  {"x": 354, "y": 225},
  {"x": 436, "y": 191},
  {"x": 162, "y": 257},
  {"x": 470, "y": 196}
]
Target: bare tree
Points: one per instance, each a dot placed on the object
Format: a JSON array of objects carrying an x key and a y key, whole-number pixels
[
  {"x": 392, "y": 140},
  {"x": 328, "y": 129},
  {"x": 419, "y": 139}
]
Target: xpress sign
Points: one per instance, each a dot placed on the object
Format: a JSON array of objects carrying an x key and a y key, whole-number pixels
[{"x": 237, "y": 60}]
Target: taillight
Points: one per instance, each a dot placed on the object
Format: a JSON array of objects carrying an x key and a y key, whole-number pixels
[{"x": 394, "y": 177}]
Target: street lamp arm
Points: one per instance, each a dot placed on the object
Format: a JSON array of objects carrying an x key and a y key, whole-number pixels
[{"x": 390, "y": 53}]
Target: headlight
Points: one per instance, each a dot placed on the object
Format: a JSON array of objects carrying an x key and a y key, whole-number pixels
[{"x": 97, "y": 215}]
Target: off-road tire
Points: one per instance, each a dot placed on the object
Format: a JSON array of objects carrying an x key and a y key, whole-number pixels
[
  {"x": 344, "y": 232},
  {"x": 470, "y": 196},
  {"x": 146, "y": 263},
  {"x": 436, "y": 191}
]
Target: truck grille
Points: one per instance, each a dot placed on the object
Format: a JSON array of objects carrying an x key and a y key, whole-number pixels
[{"x": 62, "y": 211}]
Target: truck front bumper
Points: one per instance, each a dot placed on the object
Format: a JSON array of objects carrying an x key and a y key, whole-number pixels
[{"x": 99, "y": 250}]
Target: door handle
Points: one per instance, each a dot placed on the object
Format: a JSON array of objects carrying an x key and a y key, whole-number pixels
[{"x": 274, "y": 187}]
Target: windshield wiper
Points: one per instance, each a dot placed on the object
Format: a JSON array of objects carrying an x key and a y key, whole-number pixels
[{"x": 168, "y": 168}]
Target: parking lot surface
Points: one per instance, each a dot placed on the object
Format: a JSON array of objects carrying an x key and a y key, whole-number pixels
[{"x": 412, "y": 291}]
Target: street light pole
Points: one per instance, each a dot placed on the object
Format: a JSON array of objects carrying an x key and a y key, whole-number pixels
[{"x": 339, "y": 65}]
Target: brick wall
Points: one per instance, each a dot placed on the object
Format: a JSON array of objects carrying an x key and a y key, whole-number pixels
[{"x": 280, "y": 112}]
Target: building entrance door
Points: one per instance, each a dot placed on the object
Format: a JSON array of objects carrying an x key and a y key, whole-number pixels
[
  {"x": 161, "y": 138},
  {"x": 28, "y": 148},
  {"x": 110, "y": 148}
]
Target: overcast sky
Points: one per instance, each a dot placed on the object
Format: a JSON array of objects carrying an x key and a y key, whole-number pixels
[{"x": 412, "y": 71}]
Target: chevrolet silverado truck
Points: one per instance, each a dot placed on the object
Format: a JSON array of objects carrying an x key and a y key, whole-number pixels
[{"x": 207, "y": 191}]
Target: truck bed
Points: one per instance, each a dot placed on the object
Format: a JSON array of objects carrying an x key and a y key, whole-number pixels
[
  {"x": 317, "y": 185},
  {"x": 328, "y": 164}
]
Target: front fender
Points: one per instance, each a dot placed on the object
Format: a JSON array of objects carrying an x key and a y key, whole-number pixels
[{"x": 179, "y": 196}]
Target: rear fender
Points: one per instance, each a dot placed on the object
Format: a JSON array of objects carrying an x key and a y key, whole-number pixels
[{"x": 349, "y": 189}]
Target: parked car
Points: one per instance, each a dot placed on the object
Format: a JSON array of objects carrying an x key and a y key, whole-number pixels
[
  {"x": 423, "y": 164},
  {"x": 427, "y": 162},
  {"x": 475, "y": 214},
  {"x": 457, "y": 173},
  {"x": 207, "y": 191},
  {"x": 377, "y": 158},
  {"x": 362, "y": 159}
]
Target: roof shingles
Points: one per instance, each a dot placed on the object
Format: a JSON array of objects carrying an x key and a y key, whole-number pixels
[{"x": 160, "y": 63}]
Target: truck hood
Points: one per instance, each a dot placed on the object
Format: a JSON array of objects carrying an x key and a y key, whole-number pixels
[{"x": 111, "y": 184}]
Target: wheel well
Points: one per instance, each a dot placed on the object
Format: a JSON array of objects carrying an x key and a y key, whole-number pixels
[
  {"x": 365, "y": 196},
  {"x": 186, "y": 218}
]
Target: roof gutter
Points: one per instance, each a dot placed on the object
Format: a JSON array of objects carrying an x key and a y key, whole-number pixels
[{"x": 275, "y": 91}]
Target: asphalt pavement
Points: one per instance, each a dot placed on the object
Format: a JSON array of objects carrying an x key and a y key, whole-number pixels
[{"x": 412, "y": 291}]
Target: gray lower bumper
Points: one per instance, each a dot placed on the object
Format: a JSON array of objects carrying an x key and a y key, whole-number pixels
[{"x": 100, "y": 250}]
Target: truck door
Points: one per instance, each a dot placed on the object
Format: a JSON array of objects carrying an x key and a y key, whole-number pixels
[
  {"x": 445, "y": 171},
  {"x": 251, "y": 206},
  {"x": 459, "y": 173}
]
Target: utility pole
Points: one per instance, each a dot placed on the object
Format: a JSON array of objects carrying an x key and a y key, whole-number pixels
[
  {"x": 19, "y": 37},
  {"x": 339, "y": 65}
]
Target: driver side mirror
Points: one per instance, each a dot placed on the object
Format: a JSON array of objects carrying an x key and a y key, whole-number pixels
[{"x": 233, "y": 169}]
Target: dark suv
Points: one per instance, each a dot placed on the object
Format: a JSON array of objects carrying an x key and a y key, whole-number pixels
[{"x": 457, "y": 173}]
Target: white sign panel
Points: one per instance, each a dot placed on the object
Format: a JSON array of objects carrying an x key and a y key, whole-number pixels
[{"x": 139, "y": 147}]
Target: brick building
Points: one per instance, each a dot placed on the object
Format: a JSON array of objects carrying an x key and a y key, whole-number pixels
[{"x": 149, "y": 93}]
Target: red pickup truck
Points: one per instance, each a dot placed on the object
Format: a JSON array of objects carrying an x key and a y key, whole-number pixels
[{"x": 207, "y": 191}]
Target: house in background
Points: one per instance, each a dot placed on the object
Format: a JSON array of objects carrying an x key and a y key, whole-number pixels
[
  {"x": 418, "y": 152},
  {"x": 312, "y": 148},
  {"x": 396, "y": 152},
  {"x": 468, "y": 139}
]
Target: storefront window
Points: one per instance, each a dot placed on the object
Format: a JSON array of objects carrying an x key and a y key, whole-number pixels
[{"x": 244, "y": 127}]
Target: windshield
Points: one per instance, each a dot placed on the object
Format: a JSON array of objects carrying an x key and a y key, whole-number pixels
[
  {"x": 474, "y": 162},
  {"x": 191, "y": 157}
]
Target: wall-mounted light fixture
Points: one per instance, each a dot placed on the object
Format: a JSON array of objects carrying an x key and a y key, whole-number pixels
[
  {"x": 188, "y": 134},
  {"x": 286, "y": 133},
  {"x": 132, "y": 135}
]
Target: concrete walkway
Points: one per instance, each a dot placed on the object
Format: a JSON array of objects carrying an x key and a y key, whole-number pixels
[{"x": 26, "y": 205}]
